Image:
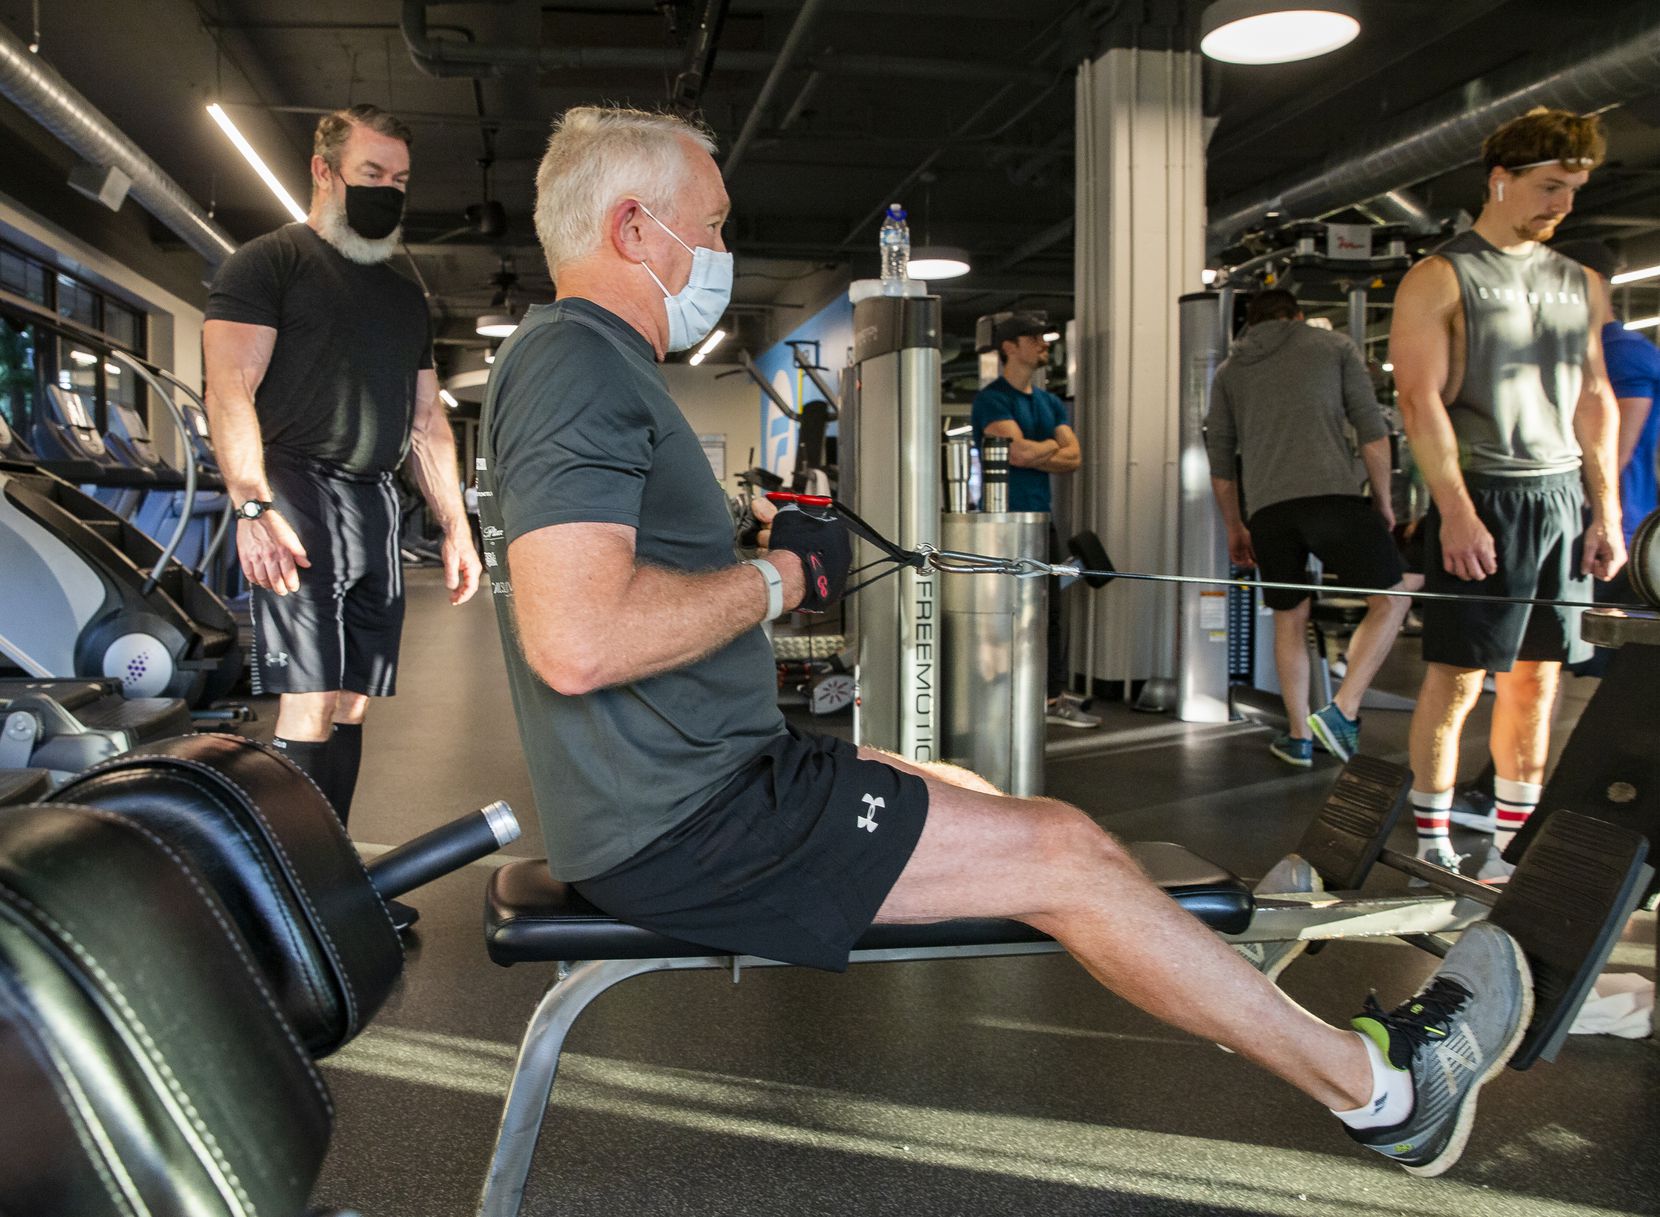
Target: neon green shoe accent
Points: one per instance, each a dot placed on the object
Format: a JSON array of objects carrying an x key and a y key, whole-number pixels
[{"x": 1375, "y": 1031}]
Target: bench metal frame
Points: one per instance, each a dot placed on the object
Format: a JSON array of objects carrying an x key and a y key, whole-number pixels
[{"x": 1314, "y": 917}]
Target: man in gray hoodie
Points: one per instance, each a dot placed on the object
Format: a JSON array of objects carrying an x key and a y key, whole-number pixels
[{"x": 1278, "y": 408}]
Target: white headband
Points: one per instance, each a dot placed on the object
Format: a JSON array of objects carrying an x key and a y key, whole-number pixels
[{"x": 1569, "y": 162}]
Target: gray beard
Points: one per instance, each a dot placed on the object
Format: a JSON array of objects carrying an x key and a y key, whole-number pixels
[{"x": 332, "y": 227}]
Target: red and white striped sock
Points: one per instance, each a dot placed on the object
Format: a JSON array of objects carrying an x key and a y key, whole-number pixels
[
  {"x": 1513, "y": 803},
  {"x": 1431, "y": 813}
]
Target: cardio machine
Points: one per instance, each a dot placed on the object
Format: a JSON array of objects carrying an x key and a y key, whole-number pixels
[{"x": 87, "y": 594}]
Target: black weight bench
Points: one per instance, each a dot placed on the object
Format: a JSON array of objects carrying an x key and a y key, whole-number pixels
[{"x": 532, "y": 918}]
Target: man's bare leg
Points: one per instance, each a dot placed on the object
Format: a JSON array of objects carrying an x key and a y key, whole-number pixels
[
  {"x": 307, "y": 716},
  {"x": 1369, "y": 646},
  {"x": 1049, "y": 865},
  {"x": 1445, "y": 700},
  {"x": 350, "y": 708},
  {"x": 1525, "y": 698},
  {"x": 1291, "y": 665},
  {"x": 1520, "y": 739}
]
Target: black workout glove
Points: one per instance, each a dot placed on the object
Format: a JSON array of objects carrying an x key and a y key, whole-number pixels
[{"x": 825, "y": 550}]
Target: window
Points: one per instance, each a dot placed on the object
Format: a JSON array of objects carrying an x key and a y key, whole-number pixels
[
  {"x": 22, "y": 276},
  {"x": 30, "y": 356},
  {"x": 18, "y": 383}
]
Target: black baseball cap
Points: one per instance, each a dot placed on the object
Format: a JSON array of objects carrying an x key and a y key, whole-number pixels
[{"x": 1018, "y": 325}]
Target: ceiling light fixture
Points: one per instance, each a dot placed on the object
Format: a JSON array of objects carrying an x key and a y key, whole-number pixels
[
  {"x": 448, "y": 398},
  {"x": 85, "y": 358},
  {"x": 1052, "y": 336},
  {"x": 938, "y": 262},
  {"x": 1643, "y": 323},
  {"x": 1276, "y": 31},
  {"x": 247, "y": 150},
  {"x": 112, "y": 369},
  {"x": 496, "y": 325},
  {"x": 1633, "y": 276},
  {"x": 709, "y": 344},
  {"x": 489, "y": 357}
]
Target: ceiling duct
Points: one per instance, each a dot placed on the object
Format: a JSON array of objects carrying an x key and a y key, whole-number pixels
[
  {"x": 1622, "y": 63},
  {"x": 51, "y": 101},
  {"x": 444, "y": 57}
]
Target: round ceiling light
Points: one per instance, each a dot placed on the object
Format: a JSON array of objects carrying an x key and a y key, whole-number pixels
[
  {"x": 1276, "y": 31},
  {"x": 496, "y": 325},
  {"x": 937, "y": 262}
]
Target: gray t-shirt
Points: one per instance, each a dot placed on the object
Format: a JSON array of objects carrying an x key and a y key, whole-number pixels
[
  {"x": 1281, "y": 400},
  {"x": 1527, "y": 324},
  {"x": 578, "y": 427}
]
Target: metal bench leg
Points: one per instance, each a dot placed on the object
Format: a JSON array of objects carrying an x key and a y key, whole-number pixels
[{"x": 533, "y": 1073}]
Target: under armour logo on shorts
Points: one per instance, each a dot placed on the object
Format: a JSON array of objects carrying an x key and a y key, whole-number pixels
[
  {"x": 277, "y": 659},
  {"x": 868, "y": 821}
]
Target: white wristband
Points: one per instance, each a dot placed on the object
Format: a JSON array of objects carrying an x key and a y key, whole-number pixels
[{"x": 775, "y": 587}]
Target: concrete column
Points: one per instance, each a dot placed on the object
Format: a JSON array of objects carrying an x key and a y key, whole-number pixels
[{"x": 1140, "y": 245}]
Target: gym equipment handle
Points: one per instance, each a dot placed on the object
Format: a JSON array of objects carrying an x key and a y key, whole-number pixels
[{"x": 447, "y": 847}]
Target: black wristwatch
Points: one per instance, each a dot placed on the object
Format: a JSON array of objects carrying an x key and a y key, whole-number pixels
[{"x": 254, "y": 508}]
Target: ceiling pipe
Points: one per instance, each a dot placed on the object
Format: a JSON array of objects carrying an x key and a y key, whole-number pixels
[
  {"x": 441, "y": 57},
  {"x": 28, "y": 83},
  {"x": 781, "y": 65},
  {"x": 1401, "y": 207},
  {"x": 1620, "y": 64}
]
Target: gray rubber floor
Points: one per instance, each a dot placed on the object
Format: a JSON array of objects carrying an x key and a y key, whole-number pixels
[{"x": 1010, "y": 1086}]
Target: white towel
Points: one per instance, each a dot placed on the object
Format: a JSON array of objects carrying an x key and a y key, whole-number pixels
[{"x": 1620, "y": 1003}]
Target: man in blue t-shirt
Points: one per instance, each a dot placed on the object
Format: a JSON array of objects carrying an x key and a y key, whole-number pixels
[
  {"x": 1634, "y": 371},
  {"x": 1041, "y": 442}
]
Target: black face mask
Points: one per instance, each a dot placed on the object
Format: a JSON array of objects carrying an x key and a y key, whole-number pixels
[{"x": 373, "y": 211}]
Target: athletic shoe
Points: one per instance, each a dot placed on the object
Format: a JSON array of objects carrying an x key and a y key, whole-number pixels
[
  {"x": 1337, "y": 731},
  {"x": 1291, "y": 874},
  {"x": 1453, "y": 1037},
  {"x": 1436, "y": 857},
  {"x": 1474, "y": 809},
  {"x": 1494, "y": 869},
  {"x": 1065, "y": 711},
  {"x": 1298, "y": 752}
]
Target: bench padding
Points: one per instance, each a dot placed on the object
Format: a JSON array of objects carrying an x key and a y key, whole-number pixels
[{"x": 531, "y": 917}]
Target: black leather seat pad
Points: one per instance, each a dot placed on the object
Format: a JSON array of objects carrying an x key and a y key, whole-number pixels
[{"x": 532, "y": 917}]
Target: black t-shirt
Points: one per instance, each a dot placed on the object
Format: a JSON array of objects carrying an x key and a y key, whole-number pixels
[{"x": 340, "y": 387}]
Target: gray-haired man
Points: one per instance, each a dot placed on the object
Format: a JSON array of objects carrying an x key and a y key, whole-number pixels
[{"x": 671, "y": 792}]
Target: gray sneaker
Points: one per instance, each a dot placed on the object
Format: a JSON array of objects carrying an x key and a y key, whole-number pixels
[
  {"x": 1066, "y": 711},
  {"x": 1453, "y": 1038},
  {"x": 1290, "y": 874}
]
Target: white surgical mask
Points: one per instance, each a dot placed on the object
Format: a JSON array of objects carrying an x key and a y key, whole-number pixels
[{"x": 695, "y": 309}]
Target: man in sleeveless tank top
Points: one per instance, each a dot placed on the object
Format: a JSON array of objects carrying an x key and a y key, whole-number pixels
[{"x": 1498, "y": 362}]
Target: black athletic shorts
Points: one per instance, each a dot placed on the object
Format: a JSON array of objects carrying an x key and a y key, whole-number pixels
[
  {"x": 341, "y": 629},
  {"x": 1538, "y": 533},
  {"x": 790, "y": 861},
  {"x": 1341, "y": 530}
]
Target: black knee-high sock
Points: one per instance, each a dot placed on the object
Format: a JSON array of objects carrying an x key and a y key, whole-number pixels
[
  {"x": 312, "y": 756},
  {"x": 344, "y": 758}
]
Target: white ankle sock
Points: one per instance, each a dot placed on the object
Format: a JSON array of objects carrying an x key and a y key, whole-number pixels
[{"x": 1391, "y": 1101}]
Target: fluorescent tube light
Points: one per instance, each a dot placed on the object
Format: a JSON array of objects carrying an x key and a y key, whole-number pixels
[{"x": 247, "y": 150}]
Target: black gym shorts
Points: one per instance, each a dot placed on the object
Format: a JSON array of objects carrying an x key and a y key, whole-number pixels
[
  {"x": 790, "y": 861},
  {"x": 342, "y": 628},
  {"x": 1341, "y": 530},
  {"x": 1538, "y": 536}
]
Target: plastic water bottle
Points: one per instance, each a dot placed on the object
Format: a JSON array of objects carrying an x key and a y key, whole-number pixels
[{"x": 895, "y": 243}]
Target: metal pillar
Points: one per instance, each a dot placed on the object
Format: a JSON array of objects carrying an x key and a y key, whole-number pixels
[
  {"x": 1357, "y": 316},
  {"x": 895, "y": 444},
  {"x": 1202, "y": 617},
  {"x": 996, "y": 635}
]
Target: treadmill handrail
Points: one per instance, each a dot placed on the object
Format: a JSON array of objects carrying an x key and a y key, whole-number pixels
[{"x": 189, "y": 504}]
